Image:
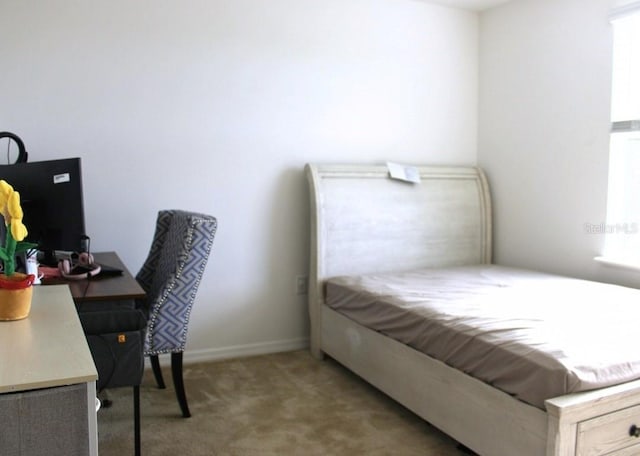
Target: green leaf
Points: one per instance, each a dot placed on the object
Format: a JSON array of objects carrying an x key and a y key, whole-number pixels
[{"x": 24, "y": 246}]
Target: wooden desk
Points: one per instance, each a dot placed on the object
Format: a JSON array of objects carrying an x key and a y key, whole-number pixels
[
  {"x": 47, "y": 380},
  {"x": 104, "y": 288}
]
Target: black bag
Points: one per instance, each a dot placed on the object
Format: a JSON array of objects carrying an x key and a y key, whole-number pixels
[{"x": 116, "y": 341}]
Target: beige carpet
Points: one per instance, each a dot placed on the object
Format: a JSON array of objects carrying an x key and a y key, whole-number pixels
[{"x": 281, "y": 404}]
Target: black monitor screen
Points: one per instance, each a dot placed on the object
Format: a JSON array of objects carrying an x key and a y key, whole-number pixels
[{"x": 51, "y": 199}]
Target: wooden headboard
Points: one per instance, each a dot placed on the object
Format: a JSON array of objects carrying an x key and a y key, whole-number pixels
[{"x": 362, "y": 221}]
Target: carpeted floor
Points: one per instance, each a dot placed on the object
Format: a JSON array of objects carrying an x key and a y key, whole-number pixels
[{"x": 280, "y": 404}]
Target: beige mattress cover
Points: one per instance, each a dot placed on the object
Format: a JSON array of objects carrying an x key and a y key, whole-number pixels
[{"x": 532, "y": 335}]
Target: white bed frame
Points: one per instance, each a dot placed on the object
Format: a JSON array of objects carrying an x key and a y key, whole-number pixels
[{"x": 364, "y": 222}]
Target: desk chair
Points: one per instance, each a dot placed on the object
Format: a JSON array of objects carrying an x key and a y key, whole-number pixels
[
  {"x": 170, "y": 277},
  {"x": 116, "y": 340}
]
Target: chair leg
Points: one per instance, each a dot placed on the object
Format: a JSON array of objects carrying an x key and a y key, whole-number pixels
[
  {"x": 105, "y": 401},
  {"x": 157, "y": 372},
  {"x": 176, "y": 372},
  {"x": 136, "y": 418}
]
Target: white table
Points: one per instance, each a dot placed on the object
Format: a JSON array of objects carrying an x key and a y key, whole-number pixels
[{"x": 47, "y": 381}]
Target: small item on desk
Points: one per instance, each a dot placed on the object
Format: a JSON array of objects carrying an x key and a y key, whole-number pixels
[
  {"x": 79, "y": 267},
  {"x": 49, "y": 272},
  {"x": 83, "y": 271},
  {"x": 32, "y": 266},
  {"x": 110, "y": 271}
]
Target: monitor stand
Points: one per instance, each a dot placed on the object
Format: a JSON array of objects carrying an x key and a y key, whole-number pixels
[{"x": 48, "y": 258}]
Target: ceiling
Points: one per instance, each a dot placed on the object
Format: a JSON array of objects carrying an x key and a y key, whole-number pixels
[{"x": 475, "y": 5}]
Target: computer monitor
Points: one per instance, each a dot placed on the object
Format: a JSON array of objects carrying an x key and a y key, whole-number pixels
[{"x": 52, "y": 202}]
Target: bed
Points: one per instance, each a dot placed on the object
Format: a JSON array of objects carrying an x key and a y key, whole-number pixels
[{"x": 366, "y": 227}]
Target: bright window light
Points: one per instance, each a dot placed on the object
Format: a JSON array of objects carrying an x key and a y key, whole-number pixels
[{"x": 623, "y": 201}]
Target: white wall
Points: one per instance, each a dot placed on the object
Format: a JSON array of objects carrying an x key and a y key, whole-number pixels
[
  {"x": 215, "y": 106},
  {"x": 545, "y": 84}
]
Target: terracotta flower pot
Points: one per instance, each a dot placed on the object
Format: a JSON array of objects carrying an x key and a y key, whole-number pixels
[{"x": 15, "y": 296}]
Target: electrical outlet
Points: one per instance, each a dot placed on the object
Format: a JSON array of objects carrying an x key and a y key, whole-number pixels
[{"x": 302, "y": 285}]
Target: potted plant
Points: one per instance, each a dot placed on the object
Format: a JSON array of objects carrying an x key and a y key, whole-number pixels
[{"x": 15, "y": 288}]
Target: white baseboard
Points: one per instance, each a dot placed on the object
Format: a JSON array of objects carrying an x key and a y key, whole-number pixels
[{"x": 239, "y": 351}]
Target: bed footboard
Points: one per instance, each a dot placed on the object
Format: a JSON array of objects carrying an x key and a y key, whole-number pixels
[
  {"x": 596, "y": 422},
  {"x": 475, "y": 414}
]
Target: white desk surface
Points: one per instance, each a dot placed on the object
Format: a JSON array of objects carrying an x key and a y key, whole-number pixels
[{"x": 46, "y": 349}]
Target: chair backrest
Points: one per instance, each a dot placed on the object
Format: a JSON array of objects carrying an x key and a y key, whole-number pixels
[{"x": 171, "y": 275}]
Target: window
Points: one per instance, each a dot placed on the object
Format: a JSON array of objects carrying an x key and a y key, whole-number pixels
[{"x": 623, "y": 201}]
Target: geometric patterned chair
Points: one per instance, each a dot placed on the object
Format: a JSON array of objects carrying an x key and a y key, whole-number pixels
[{"x": 170, "y": 277}]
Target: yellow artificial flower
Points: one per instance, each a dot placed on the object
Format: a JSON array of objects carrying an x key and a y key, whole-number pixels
[
  {"x": 5, "y": 191},
  {"x": 12, "y": 212},
  {"x": 13, "y": 206},
  {"x": 5, "y": 188},
  {"x": 18, "y": 230}
]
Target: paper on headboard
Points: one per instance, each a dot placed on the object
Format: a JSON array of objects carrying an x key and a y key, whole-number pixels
[{"x": 404, "y": 172}]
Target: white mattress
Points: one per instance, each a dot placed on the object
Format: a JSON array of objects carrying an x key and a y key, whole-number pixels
[{"x": 532, "y": 335}]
